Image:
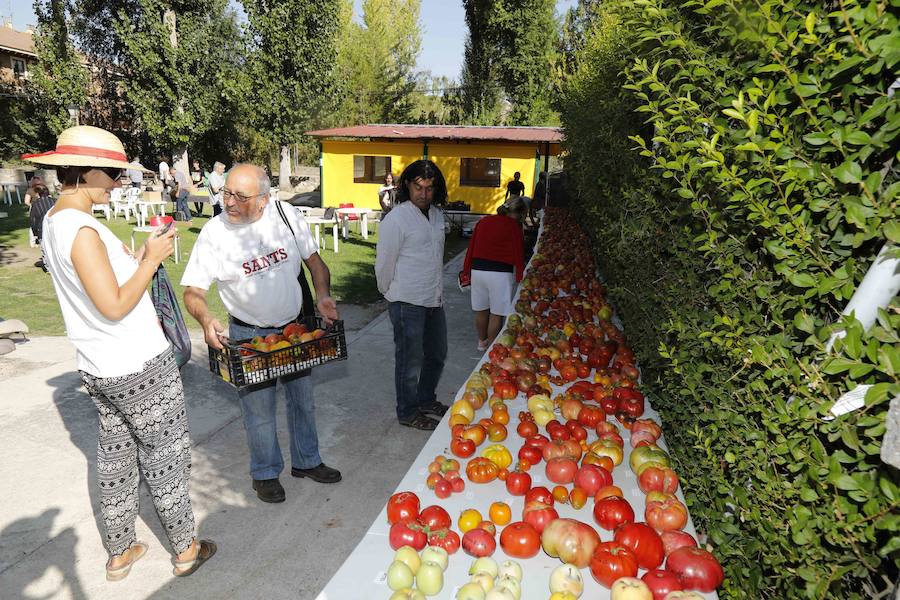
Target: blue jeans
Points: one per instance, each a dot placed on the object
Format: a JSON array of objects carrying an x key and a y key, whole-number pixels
[
  {"x": 182, "y": 205},
  {"x": 420, "y": 349},
  {"x": 258, "y": 408}
]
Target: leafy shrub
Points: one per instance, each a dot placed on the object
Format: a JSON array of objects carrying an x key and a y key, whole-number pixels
[{"x": 736, "y": 164}]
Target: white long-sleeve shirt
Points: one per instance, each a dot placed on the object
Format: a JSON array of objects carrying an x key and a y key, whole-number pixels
[{"x": 409, "y": 259}]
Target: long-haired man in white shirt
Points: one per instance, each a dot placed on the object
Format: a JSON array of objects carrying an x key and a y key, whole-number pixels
[{"x": 409, "y": 269}]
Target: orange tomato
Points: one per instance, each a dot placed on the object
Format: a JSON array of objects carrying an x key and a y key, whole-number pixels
[
  {"x": 468, "y": 520},
  {"x": 578, "y": 498},
  {"x": 607, "y": 491},
  {"x": 500, "y": 513},
  {"x": 561, "y": 494},
  {"x": 500, "y": 416},
  {"x": 489, "y": 527}
]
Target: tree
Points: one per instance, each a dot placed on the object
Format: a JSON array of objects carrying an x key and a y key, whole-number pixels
[
  {"x": 61, "y": 81},
  {"x": 292, "y": 45},
  {"x": 526, "y": 36},
  {"x": 480, "y": 90},
  {"x": 377, "y": 61}
]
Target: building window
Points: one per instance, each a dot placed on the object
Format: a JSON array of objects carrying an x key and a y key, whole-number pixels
[
  {"x": 18, "y": 67},
  {"x": 370, "y": 169},
  {"x": 479, "y": 172}
]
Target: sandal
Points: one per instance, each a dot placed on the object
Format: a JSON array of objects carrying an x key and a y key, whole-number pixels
[
  {"x": 483, "y": 345},
  {"x": 183, "y": 568},
  {"x": 420, "y": 421},
  {"x": 434, "y": 408},
  {"x": 137, "y": 550}
]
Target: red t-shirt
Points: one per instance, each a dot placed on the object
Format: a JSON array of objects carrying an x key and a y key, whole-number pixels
[{"x": 500, "y": 239}]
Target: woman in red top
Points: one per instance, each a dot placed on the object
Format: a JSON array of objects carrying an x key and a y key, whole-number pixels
[{"x": 495, "y": 261}]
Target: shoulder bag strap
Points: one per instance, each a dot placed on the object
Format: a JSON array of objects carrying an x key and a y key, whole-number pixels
[{"x": 309, "y": 306}]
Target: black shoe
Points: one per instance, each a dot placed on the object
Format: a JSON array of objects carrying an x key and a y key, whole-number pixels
[
  {"x": 322, "y": 473},
  {"x": 269, "y": 490},
  {"x": 419, "y": 421},
  {"x": 434, "y": 408}
]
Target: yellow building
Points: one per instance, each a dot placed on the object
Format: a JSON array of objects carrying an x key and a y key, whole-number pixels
[{"x": 477, "y": 162}]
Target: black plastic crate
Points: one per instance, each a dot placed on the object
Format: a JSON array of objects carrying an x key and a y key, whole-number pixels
[{"x": 241, "y": 366}]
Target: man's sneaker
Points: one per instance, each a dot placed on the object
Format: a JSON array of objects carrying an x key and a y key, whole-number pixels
[
  {"x": 269, "y": 490},
  {"x": 322, "y": 473}
]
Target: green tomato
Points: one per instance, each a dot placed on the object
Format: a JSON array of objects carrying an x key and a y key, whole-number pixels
[
  {"x": 399, "y": 576},
  {"x": 430, "y": 578}
]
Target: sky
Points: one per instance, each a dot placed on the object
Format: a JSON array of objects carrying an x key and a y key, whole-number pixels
[{"x": 443, "y": 36}]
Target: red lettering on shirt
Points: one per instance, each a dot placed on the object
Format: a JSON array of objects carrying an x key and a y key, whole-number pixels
[{"x": 264, "y": 262}]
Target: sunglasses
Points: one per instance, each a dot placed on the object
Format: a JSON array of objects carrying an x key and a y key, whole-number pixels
[
  {"x": 113, "y": 173},
  {"x": 226, "y": 193}
]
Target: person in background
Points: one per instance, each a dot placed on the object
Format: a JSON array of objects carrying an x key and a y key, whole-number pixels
[
  {"x": 539, "y": 201},
  {"x": 39, "y": 202},
  {"x": 181, "y": 190},
  {"x": 515, "y": 187},
  {"x": 409, "y": 269},
  {"x": 127, "y": 365},
  {"x": 387, "y": 194},
  {"x": 254, "y": 257},
  {"x": 36, "y": 188},
  {"x": 165, "y": 178},
  {"x": 216, "y": 181},
  {"x": 495, "y": 262},
  {"x": 136, "y": 175},
  {"x": 197, "y": 182}
]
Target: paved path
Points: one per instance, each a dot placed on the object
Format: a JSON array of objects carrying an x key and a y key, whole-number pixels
[{"x": 50, "y": 545}]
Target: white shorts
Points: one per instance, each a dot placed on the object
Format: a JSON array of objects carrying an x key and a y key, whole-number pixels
[{"x": 493, "y": 290}]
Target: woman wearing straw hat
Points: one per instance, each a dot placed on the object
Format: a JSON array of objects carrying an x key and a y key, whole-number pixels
[{"x": 125, "y": 361}]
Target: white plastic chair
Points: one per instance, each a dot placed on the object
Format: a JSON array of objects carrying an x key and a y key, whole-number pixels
[
  {"x": 133, "y": 198},
  {"x": 104, "y": 208},
  {"x": 119, "y": 203}
]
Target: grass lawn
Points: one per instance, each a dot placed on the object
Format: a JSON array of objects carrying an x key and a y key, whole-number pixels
[{"x": 26, "y": 292}]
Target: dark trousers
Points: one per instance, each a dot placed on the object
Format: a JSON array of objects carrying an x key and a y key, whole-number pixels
[{"x": 420, "y": 349}]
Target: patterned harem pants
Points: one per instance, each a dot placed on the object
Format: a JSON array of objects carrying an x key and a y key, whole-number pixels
[{"x": 143, "y": 429}]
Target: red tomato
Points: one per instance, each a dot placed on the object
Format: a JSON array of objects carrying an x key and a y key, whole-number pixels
[
  {"x": 530, "y": 454},
  {"x": 538, "y": 514},
  {"x": 658, "y": 479},
  {"x": 648, "y": 425},
  {"x": 478, "y": 542},
  {"x": 537, "y": 441},
  {"x": 561, "y": 470},
  {"x": 541, "y": 494},
  {"x": 435, "y": 517},
  {"x": 481, "y": 470},
  {"x": 630, "y": 401},
  {"x": 407, "y": 533},
  {"x": 591, "y": 478},
  {"x": 402, "y": 506},
  {"x": 590, "y": 416},
  {"x": 446, "y": 539},
  {"x": 612, "y": 511},
  {"x": 641, "y": 539},
  {"x": 672, "y": 540},
  {"x": 562, "y": 448},
  {"x": 526, "y": 429},
  {"x": 462, "y": 447},
  {"x": 661, "y": 583},
  {"x": 576, "y": 430},
  {"x": 612, "y": 561},
  {"x": 518, "y": 483},
  {"x": 520, "y": 540},
  {"x": 666, "y": 515},
  {"x": 698, "y": 569}
]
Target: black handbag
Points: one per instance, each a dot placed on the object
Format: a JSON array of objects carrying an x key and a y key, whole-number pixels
[{"x": 170, "y": 318}]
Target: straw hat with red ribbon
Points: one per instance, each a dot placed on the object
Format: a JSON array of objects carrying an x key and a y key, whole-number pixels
[{"x": 84, "y": 146}]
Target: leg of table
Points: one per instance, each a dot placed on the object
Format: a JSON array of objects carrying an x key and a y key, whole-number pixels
[
  {"x": 176, "y": 249},
  {"x": 335, "y": 230},
  {"x": 132, "y": 241},
  {"x": 344, "y": 219},
  {"x": 365, "y": 226}
]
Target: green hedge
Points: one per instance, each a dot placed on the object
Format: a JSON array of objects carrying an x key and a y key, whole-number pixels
[{"x": 736, "y": 164}]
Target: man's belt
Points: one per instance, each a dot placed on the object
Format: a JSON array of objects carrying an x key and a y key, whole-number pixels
[{"x": 237, "y": 321}]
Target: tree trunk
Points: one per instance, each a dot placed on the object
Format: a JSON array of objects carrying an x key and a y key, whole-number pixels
[{"x": 284, "y": 169}]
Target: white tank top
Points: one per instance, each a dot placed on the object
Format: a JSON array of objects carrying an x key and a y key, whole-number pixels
[{"x": 104, "y": 348}]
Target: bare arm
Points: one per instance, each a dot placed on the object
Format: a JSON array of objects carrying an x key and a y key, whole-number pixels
[
  {"x": 93, "y": 268},
  {"x": 321, "y": 279},
  {"x": 195, "y": 302}
]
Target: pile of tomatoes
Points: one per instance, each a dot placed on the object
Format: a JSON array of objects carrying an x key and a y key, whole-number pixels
[{"x": 564, "y": 357}]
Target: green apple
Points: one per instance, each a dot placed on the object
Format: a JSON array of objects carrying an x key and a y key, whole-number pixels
[
  {"x": 484, "y": 579},
  {"x": 409, "y": 556},
  {"x": 430, "y": 578},
  {"x": 510, "y": 584},
  {"x": 486, "y": 564},
  {"x": 567, "y": 578},
  {"x": 399, "y": 576},
  {"x": 436, "y": 554},
  {"x": 511, "y": 568},
  {"x": 499, "y": 594},
  {"x": 470, "y": 591},
  {"x": 407, "y": 594}
]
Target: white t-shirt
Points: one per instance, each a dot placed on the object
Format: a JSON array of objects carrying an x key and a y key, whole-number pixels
[
  {"x": 163, "y": 171},
  {"x": 217, "y": 182},
  {"x": 104, "y": 348},
  {"x": 255, "y": 266}
]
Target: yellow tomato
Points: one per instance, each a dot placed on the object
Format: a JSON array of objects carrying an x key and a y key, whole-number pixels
[
  {"x": 498, "y": 454},
  {"x": 500, "y": 513},
  {"x": 468, "y": 519}
]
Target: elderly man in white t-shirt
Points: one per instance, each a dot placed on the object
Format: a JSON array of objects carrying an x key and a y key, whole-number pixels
[{"x": 254, "y": 258}]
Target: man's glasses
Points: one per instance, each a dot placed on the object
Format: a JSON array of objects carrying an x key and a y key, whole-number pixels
[
  {"x": 226, "y": 193},
  {"x": 111, "y": 172}
]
